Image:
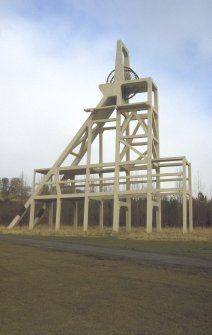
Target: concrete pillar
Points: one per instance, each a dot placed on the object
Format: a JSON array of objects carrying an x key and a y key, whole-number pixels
[
  {"x": 32, "y": 215},
  {"x": 58, "y": 214},
  {"x": 149, "y": 160},
  {"x": 86, "y": 209},
  {"x": 87, "y": 182},
  {"x": 184, "y": 198},
  {"x": 190, "y": 200},
  {"x": 116, "y": 213},
  {"x": 116, "y": 209},
  {"x": 76, "y": 214}
]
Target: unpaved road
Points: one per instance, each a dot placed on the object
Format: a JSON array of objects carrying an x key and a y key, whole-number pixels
[{"x": 113, "y": 253}]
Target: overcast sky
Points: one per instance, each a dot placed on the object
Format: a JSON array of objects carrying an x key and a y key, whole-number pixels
[{"x": 55, "y": 53}]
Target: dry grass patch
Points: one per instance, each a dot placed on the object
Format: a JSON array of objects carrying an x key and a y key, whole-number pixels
[
  {"x": 170, "y": 234},
  {"x": 167, "y": 234},
  {"x": 49, "y": 293}
]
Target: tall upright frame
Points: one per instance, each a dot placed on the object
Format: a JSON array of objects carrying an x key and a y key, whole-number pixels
[{"x": 129, "y": 110}]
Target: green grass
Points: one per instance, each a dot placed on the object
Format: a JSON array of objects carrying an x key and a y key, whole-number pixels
[{"x": 49, "y": 292}]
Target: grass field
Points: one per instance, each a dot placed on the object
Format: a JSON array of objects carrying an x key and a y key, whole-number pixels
[
  {"x": 168, "y": 234},
  {"x": 50, "y": 292},
  {"x": 198, "y": 243}
]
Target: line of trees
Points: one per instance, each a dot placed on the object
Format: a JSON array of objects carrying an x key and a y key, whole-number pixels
[
  {"x": 15, "y": 188},
  {"x": 15, "y": 191}
]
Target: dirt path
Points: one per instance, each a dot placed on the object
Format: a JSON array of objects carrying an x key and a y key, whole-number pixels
[{"x": 113, "y": 253}]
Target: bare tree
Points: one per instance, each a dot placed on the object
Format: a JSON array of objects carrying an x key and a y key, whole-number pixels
[
  {"x": 199, "y": 191},
  {"x": 5, "y": 188}
]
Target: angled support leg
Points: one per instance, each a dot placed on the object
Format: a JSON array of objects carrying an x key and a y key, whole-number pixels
[{"x": 87, "y": 182}]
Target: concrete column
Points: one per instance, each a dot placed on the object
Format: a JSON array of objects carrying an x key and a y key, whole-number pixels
[
  {"x": 116, "y": 212},
  {"x": 116, "y": 208},
  {"x": 32, "y": 215},
  {"x": 101, "y": 158},
  {"x": 128, "y": 200},
  {"x": 190, "y": 199},
  {"x": 86, "y": 209},
  {"x": 184, "y": 198},
  {"x": 158, "y": 196},
  {"x": 58, "y": 214},
  {"x": 76, "y": 214},
  {"x": 149, "y": 160},
  {"x": 87, "y": 182}
]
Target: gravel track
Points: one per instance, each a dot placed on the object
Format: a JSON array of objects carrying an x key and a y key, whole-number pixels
[{"x": 133, "y": 256}]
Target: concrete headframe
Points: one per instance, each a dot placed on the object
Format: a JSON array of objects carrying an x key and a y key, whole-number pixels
[{"x": 129, "y": 110}]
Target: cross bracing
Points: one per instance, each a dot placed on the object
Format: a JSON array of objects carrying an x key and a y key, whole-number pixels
[{"x": 129, "y": 132}]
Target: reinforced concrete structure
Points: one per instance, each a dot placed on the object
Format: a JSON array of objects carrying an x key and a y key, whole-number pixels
[{"x": 124, "y": 124}]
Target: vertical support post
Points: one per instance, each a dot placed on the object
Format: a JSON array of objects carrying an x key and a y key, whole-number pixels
[
  {"x": 86, "y": 209},
  {"x": 76, "y": 214},
  {"x": 32, "y": 214},
  {"x": 128, "y": 200},
  {"x": 51, "y": 214},
  {"x": 190, "y": 199},
  {"x": 58, "y": 213},
  {"x": 184, "y": 198},
  {"x": 157, "y": 147},
  {"x": 158, "y": 209},
  {"x": 116, "y": 209},
  {"x": 87, "y": 181},
  {"x": 149, "y": 160},
  {"x": 58, "y": 204},
  {"x": 101, "y": 158}
]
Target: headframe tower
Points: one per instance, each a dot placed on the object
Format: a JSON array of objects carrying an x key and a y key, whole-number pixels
[{"x": 129, "y": 110}]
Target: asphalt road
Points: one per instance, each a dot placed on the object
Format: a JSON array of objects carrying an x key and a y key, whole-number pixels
[{"x": 113, "y": 253}]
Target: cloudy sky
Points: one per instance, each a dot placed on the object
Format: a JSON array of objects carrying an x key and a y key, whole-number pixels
[{"x": 54, "y": 53}]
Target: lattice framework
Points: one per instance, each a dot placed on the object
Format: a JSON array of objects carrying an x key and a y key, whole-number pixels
[{"x": 137, "y": 169}]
